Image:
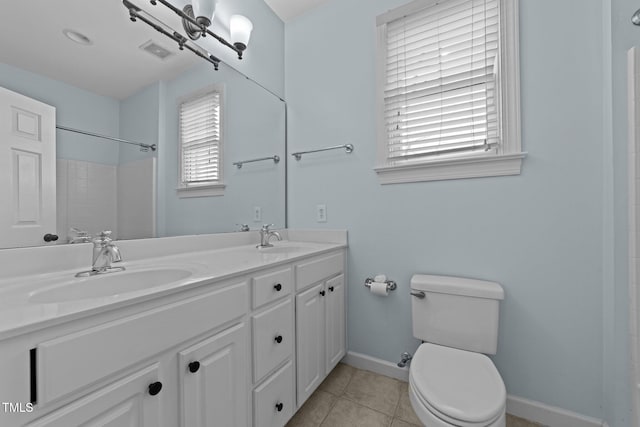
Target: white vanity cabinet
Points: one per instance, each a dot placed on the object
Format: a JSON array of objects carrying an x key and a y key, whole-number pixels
[
  {"x": 320, "y": 321},
  {"x": 244, "y": 351}
]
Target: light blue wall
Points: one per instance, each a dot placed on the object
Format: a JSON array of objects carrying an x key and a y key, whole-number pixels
[
  {"x": 538, "y": 234},
  {"x": 139, "y": 122},
  {"x": 253, "y": 123},
  {"x": 75, "y": 108}
]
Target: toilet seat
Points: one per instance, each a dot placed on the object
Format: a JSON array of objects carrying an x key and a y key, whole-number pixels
[{"x": 459, "y": 387}]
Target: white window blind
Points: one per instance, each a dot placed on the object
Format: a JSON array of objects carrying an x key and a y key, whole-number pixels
[
  {"x": 441, "y": 82},
  {"x": 200, "y": 140}
]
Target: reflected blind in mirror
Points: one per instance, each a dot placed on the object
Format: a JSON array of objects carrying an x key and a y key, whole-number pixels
[
  {"x": 440, "y": 89},
  {"x": 200, "y": 140}
]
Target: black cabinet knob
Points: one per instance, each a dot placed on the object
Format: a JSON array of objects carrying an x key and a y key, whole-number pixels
[
  {"x": 331, "y": 288},
  {"x": 154, "y": 388},
  {"x": 322, "y": 293},
  {"x": 279, "y": 406},
  {"x": 50, "y": 237},
  {"x": 277, "y": 287},
  {"x": 194, "y": 366},
  {"x": 278, "y": 339}
]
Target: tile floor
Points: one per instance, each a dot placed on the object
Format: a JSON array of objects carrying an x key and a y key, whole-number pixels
[{"x": 351, "y": 397}]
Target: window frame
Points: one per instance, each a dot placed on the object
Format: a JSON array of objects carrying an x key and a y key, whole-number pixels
[
  {"x": 216, "y": 188},
  {"x": 508, "y": 160}
]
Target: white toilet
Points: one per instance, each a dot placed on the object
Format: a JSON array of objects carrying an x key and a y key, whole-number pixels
[{"x": 451, "y": 383}]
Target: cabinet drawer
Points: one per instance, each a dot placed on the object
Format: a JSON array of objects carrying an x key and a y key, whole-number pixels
[
  {"x": 272, "y": 338},
  {"x": 310, "y": 272},
  {"x": 273, "y": 400},
  {"x": 73, "y": 361},
  {"x": 271, "y": 286}
]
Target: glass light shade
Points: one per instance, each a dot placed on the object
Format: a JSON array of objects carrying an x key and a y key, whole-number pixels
[
  {"x": 240, "y": 28},
  {"x": 204, "y": 9}
]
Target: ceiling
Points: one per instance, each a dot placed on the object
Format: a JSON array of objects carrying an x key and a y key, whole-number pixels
[
  {"x": 114, "y": 65},
  {"x": 289, "y": 9}
]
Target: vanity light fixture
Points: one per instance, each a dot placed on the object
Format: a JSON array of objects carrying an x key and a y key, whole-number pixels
[{"x": 197, "y": 18}]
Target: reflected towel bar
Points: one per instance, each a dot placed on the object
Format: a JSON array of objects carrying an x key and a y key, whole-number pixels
[
  {"x": 348, "y": 148},
  {"x": 276, "y": 159},
  {"x": 145, "y": 147}
]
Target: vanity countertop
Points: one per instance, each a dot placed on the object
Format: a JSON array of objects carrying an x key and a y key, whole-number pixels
[{"x": 22, "y": 309}]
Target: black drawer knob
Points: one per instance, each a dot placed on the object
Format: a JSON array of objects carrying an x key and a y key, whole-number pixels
[
  {"x": 322, "y": 293},
  {"x": 279, "y": 407},
  {"x": 279, "y": 339},
  {"x": 194, "y": 366},
  {"x": 50, "y": 237},
  {"x": 277, "y": 287},
  {"x": 331, "y": 288},
  {"x": 154, "y": 388}
]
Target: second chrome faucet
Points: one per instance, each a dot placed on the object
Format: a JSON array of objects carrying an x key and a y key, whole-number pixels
[{"x": 265, "y": 235}]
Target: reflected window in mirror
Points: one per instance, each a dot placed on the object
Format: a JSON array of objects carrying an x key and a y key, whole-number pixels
[{"x": 201, "y": 143}]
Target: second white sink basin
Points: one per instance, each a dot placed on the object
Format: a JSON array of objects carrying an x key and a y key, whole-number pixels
[{"x": 108, "y": 285}]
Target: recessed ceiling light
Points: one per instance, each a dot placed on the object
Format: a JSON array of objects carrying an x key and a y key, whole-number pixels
[{"x": 77, "y": 37}]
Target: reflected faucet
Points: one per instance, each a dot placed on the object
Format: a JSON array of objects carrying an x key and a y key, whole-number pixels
[
  {"x": 265, "y": 235},
  {"x": 105, "y": 252}
]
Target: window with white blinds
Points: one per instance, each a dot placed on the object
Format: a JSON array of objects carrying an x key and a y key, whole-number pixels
[
  {"x": 440, "y": 82},
  {"x": 200, "y": 140}
]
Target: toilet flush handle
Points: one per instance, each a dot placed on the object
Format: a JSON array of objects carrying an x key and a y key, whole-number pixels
[{"x": 419, "y": 294}]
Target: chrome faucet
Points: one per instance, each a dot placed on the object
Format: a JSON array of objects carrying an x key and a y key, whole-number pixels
[
  {"x": 265, "y": 235},
  {"x": 105, "y": 252}
]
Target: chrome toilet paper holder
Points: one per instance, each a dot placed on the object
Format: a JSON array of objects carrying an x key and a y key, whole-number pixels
[{"x": 391, "y": 285}]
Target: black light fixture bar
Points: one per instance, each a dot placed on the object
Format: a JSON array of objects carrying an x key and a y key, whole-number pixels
[
  {"x": 183, "y": 42},
  {"x": 203, "y": 29}
]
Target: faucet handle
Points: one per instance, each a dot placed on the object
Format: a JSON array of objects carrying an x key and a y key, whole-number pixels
[{"x": 265, "y": 227}]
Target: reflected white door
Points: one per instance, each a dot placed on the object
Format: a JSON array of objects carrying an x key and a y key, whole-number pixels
[{"x": 27, "y": 170}]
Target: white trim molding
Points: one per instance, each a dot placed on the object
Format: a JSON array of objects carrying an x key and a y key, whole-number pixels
[
  {"x": 548, "y": 415},
  {"x": 373, "y": 364},
  {"x": 524, "y": 408},
  {"x": 507, "y": 164},
  {"x": 201, "y": 191}
]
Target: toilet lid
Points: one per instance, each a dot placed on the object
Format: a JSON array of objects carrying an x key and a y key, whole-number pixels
[{"x": 460, "y": 384}]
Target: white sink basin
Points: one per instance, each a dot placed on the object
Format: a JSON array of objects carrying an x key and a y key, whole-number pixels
[{"x": 108, "y": 285}]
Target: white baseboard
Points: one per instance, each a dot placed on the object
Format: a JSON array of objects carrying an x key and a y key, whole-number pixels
[
  {"x": 524, "y": 408},
  {"x": 548, "y": 415},
  {"x": 373, "y": 364}
]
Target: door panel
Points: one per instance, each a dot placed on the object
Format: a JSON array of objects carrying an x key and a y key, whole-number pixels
[
  {"x": 27, "y": 170},
  {"x": 310, "y": 341}
]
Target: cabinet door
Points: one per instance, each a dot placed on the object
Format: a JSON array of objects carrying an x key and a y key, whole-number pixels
[
  {"x": 310, "y": 341},
  {"x": 213, "y": 380},
  {"x": 127, "y": 402},
  {"x": 335, "y": 322}
]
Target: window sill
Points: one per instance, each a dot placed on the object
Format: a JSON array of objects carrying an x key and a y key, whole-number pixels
[
  {"x": 201, "y": 191},
  {"x": 439, "y": 170}
]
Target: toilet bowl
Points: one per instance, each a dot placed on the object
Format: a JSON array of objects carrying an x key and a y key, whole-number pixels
[
  {"x": 452, "y": 383},
  {"x": 450, "y": 387}
]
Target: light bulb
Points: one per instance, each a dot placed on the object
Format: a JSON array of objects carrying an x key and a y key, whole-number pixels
[{"x": 240, "y": 28}]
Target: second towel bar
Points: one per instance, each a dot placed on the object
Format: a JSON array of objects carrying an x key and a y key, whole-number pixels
[
  {"x": 276, "y": 159},
  {"x": 348, "y": 148}
]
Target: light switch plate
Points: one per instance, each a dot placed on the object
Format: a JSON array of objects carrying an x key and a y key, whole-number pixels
[{"x": 321, "y": 213}]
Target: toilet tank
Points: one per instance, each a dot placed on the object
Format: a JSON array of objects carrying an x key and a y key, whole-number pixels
[{"x": 456, "y": 312}]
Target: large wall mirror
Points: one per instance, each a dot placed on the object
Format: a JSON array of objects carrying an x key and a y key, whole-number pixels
[{"x": 108, "y": 76}]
